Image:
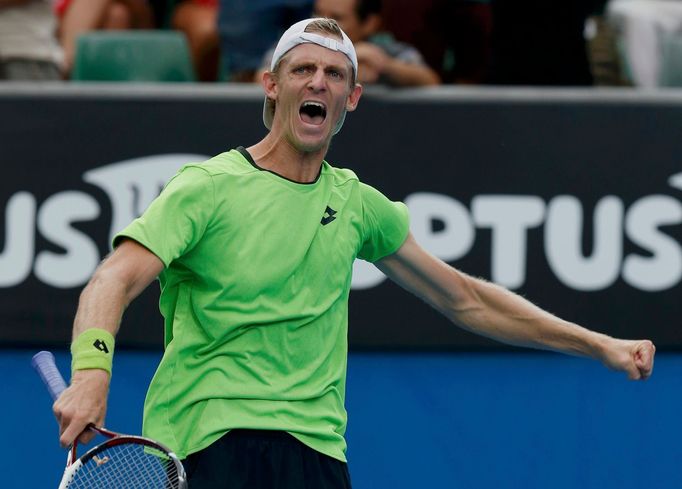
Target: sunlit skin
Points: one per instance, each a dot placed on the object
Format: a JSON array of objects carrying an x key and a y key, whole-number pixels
[{"x": 295, "y": 148}]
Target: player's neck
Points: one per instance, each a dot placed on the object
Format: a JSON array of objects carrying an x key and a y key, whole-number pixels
[{"x": 280, "y": 157}]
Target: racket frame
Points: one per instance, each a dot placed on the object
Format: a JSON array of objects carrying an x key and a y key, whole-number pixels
[
  {"x": 44, "y": 363},
  {"x": 74, "y": 463}
]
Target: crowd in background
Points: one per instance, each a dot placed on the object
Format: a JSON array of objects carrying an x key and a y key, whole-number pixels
[{"x": 399, "y": 42}]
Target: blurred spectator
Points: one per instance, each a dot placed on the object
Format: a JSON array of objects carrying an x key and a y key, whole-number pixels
[
  {"x": 248, "y": 28},
  {"x": 642, "y": 26},
  {"x": 454, "y": 36},
  {"x": 197, "y": 19},
  {"x": 28, "y": 45},
  {"x": 605, "y": 60},
  {"x": 80, "y": 16},
  {"x": 381, "y": 59}
]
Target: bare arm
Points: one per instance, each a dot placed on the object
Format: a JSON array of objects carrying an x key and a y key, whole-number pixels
[
  {"x": 81, "y": 16},
  {"x": 410, "y": 75},
  {"x": 116, "y": 282},
  {"x": 374, "y": 62},
  {"x": 490, "y": 310}
]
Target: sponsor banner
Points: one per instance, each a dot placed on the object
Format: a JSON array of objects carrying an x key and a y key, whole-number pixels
[{"x": 574, "y": 202}]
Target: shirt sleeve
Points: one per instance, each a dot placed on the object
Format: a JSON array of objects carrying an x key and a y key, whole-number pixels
[
  {"x": 385, "y": 223},
  {"x": 177, "y": 219}
]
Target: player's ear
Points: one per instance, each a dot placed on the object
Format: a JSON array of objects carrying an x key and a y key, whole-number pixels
[
  {"x": 269, "y": 83},
  {"x": 354, "y": 98}
]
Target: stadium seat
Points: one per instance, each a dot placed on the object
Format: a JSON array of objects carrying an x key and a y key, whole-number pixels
[
  {"x": 141, "y": 56},
  {"x": 671, "y": 62}
]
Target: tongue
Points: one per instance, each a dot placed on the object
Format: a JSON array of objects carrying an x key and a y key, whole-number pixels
[{"x": 317, "y": 119}]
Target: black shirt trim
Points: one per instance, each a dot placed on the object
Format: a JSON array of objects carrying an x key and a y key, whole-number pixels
[{"x": 250, "y": 159}]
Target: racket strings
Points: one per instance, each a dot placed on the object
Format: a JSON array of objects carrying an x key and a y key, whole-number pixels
[{"x": 129, "y": 466}]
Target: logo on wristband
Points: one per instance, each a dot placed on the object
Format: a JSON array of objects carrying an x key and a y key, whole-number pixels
[{"x": 101, "y": 346}]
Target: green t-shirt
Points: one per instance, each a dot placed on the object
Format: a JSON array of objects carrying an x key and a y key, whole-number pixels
[{"x": 255, "y": 299}]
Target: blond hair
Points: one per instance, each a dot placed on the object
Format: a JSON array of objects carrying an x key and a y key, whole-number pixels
[{"x": 324, "y": 26}]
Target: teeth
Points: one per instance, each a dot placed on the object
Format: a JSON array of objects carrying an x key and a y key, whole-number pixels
[{"x": 315, "y": 104}]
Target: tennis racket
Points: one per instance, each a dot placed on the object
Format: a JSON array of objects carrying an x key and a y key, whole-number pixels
[{"x": 122, "y": 461}]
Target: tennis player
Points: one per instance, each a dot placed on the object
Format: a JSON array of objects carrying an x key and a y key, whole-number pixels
[{"x": 254, "y": 251}]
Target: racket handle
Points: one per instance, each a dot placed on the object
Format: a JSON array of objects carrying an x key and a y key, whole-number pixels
[{"x": 46, "y": 367}]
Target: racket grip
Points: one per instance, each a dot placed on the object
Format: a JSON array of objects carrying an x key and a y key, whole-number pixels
[{"x": 43, "y": 362}]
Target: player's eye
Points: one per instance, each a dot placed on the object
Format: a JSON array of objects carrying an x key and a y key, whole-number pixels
[
  {"x": 335, "y": 74},
  {"x": 300, "y": 70}
]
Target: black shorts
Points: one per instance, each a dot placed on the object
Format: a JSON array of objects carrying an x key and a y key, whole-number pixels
[{"x": 260, "y": 459}]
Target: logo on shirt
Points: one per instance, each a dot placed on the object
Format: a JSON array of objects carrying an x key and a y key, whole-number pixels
[{"x": 328, "y": 216}]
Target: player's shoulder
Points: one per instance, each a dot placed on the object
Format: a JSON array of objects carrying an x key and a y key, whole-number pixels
[
  {"x": 228, "y": 163},
  {"x": 340, "y": 176},
  {"x": 344, "y": 177}
]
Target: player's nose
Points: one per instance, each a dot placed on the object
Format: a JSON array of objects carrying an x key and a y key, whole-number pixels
[{"x": 317, "y": 81}]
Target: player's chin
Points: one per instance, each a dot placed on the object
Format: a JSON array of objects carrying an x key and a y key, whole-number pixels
[{"x": 311, "y": 142}]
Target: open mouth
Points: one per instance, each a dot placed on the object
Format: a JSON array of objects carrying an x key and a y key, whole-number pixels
[{"x": 313, "y": 112}]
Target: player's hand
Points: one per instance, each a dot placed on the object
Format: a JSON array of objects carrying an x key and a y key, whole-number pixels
[
  {"x": 372, "y": 62},
  {"x": 82, "y": 403},
  {"x": 367, "y": 75},
  {"x": 634, "y": 357}
]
